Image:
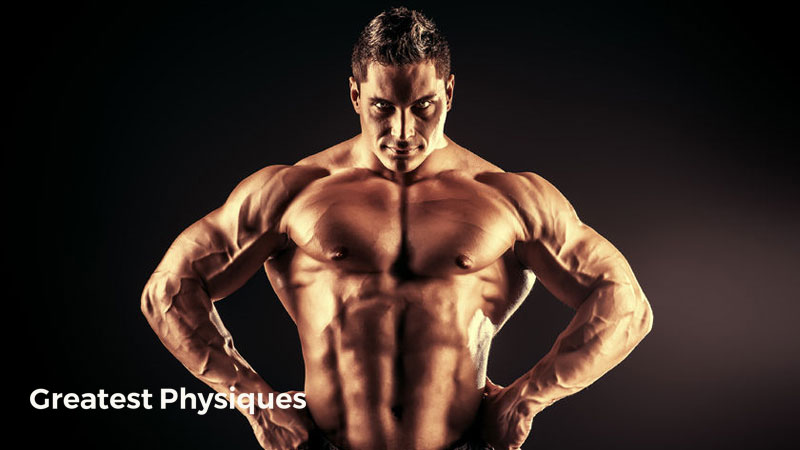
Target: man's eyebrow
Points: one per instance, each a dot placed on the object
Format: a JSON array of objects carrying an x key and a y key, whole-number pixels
[
  {"x": 379, "y": 99},
  {"x": 425, "y": 98},
  {"x": 421, "y": 99}
]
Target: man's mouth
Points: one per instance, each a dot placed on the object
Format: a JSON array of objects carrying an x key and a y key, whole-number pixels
[{"x": 405, "y": 151}]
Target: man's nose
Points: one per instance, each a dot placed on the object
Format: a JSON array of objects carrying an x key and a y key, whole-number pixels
[{"x": 403, "y": 125}]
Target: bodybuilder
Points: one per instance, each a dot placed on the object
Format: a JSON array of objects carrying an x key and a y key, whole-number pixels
[{"x": 399, "y": 255}]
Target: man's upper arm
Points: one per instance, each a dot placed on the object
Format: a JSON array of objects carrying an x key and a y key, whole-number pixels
[
  {"x": 223, "y": 249},
  {"x": 568, "y": 257}
]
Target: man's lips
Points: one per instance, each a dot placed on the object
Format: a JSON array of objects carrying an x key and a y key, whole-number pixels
[{"x": 401, "y": 151}]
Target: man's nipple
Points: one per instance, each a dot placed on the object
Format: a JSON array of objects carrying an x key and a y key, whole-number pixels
[
  {"x": 338, "y": 253},
  {"x": 463, "y": 261},
  {"x": 397, "y": 411}
]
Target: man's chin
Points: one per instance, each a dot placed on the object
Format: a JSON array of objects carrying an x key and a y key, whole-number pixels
[
  {"x": 402, "y": 161},
  {"x": 402, "y": 165}
]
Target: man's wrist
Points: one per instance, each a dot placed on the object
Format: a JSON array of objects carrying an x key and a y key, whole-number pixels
[
  {"x": 529, "y": 408},
  {"x": 533, "y": 396},
  {"x": 245, "y": 388}
]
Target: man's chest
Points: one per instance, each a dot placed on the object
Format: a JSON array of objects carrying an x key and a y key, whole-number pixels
[{"x": 445, "y": 225}]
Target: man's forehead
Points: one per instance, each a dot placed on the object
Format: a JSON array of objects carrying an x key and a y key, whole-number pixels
[{"x": 403, "y": 83}]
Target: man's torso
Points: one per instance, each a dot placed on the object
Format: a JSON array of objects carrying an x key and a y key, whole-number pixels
[{"x": 397, "y": 291}]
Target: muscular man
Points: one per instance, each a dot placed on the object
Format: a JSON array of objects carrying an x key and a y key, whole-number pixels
[{"x": 399, "y": 255}]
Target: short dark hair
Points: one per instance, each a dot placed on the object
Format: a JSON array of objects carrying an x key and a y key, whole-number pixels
[{"x": 399, "y": 36}]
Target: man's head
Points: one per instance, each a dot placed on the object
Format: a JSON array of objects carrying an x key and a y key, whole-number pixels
[
  {"x": 397, "y": 37},
  {"x": 401, "y": 88}
]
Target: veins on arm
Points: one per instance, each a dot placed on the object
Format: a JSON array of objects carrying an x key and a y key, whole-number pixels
[
  {"x": 585, "y": 271},
  {"x": 208, "y": 261}
]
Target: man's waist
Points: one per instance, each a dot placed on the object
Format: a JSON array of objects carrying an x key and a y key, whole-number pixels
[
  {"x": 436, "y": 413},
  {"x": 469, "y": 440}
]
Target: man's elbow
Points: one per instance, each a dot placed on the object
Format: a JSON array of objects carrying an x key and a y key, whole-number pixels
[
  {"x": 152, "y": 299},
  {"x": 634, "y": 313},
  {"x": 631, "y": 299},
  {"x": 635, "y": 323},
  {"x": 644, "y": 317},
  {"x": 147, "y": 303}
]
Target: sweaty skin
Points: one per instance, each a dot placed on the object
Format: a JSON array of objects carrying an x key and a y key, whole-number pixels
[{"x": 399, "y": 255}]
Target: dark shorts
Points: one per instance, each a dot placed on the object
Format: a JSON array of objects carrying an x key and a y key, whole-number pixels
[{"x": 319, "y": 442}]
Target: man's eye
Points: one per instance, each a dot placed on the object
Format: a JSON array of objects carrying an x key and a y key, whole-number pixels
[
  {"x": 383, "y": 106},
  {"x": 423, "y": 104}
]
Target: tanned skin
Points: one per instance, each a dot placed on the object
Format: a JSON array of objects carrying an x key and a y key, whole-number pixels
[{"x": 399, "y": 255}]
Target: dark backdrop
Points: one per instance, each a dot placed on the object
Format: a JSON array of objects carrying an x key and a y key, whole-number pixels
[{"x": 671, "y": 128}]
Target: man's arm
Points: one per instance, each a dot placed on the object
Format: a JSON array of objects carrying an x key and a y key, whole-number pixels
[
  {"x": 210, "y": 260},
  {"x": 583, "y": 270}
]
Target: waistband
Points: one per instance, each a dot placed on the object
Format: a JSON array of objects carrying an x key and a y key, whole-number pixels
[{"x": 318, "y": 441}]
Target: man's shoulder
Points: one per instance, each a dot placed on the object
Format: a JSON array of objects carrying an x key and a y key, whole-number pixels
[
  {"x": 276, "y": 184},
  {"x": 287, "y": 181},
  {"x": 282, "y": 183},
  {"x": 516, "y": 184},
  {"x": 466, "y": 162},
  {"x": 332, "y": 158},
  {"x": 532, "y": 195},
  {"x": 288, "y": 177},
  {"x": 259, "y": 201}
]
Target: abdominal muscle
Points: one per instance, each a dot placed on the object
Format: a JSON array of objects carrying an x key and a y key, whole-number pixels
[{"x": 401, "y": 368}]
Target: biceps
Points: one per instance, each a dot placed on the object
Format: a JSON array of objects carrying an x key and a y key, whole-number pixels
[
  {"x": 571, "y": 263},
  {"x": 205, "y": 251}
]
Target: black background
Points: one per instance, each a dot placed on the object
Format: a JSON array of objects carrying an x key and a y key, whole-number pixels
[{"x": 670, "y": 127}]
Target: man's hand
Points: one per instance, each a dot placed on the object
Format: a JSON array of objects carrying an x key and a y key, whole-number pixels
[
  {"x": 282, "y": 429},
  {"x": 505, "y": 419}
]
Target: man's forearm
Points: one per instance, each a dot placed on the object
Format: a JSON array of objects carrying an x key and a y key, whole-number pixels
[
  {"x": 605, "y": 329},
  {"x": 183, "y": 316}
]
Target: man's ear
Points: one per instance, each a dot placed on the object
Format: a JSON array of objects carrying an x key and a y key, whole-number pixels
[
  {"x": 448, "y": 89},
  {"x": 355, "y": 95}
]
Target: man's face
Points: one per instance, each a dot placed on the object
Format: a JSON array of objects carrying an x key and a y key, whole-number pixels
[{"x": 402, "y": 110}]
